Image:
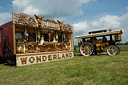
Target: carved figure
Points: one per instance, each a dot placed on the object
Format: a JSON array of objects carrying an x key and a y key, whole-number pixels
[
  {"x": 26, "y": 34},
  {"x": 60, "y": 24},
  {"x": 54, "y": 40},
  {"x": 39, "y": 19},
  {"x": 38, "y": 36},
  {"x": 41, "y": 40},
  {"x": 49, "y": 36}
]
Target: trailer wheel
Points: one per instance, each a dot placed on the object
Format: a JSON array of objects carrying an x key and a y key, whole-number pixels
[
  {"x": 86, "y": 49},
  {"x": 112, "y": 50}
]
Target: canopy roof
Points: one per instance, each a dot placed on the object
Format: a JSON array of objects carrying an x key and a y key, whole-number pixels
[
  {"x": 100, "y": 34},
  {"x": 26, "y": 20}
]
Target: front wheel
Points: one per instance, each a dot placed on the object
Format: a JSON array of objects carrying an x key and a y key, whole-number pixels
[
  {"x": 86, "y": 49},
  {"x": 112, "y": 50}
]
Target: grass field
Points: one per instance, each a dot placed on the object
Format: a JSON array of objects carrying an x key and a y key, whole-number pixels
[{"x": 98, "y": 69}]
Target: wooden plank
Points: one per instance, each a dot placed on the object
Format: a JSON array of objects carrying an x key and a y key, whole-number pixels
[
  {"x": 42, "y": 57},
  {"x": 100, "y": 34}
]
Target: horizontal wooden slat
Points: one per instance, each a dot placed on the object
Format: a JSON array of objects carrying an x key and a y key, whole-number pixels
[{"x": 100, "y": 34}]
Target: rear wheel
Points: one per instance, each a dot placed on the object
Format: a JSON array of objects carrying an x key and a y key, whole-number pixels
[
  {"x": 118, "y": 50},
  {"x": 112, "y": 50},
  {"x": 86, "y": 49}
]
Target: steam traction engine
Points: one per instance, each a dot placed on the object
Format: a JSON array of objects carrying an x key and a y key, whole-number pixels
[{"x": 96, "y": 43}]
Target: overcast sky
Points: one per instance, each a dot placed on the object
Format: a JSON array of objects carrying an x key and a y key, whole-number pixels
[{"x": 83, "y": 15}]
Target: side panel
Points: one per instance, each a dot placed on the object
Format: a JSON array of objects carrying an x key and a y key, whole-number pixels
[
  {"x": 0, "y": 43},
  {"x": 35, "y": 58},
  {"x": 8, "y": 32}
]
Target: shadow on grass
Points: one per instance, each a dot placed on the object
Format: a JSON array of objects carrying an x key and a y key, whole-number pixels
[
  {"x": 99, "y": 54},
  {"x": 8, "y": 62}
]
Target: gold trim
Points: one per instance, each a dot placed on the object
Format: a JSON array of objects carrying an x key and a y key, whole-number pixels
[
  {"x": 14, "y": 41},
  {"x": 100, "y": 34}
]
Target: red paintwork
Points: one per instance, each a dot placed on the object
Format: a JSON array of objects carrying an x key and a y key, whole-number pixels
[{"x": 6, "y": 30}]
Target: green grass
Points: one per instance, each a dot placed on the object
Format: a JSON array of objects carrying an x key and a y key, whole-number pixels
[
  {"x": 123, "y": 47},
  {"x": 100, "y": 69}
]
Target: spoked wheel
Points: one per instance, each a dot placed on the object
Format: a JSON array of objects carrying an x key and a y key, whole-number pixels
[
  {"x": 112, "y": 50},
  {"x": 118, "y": 50},
  {"x": 86, "y": 49}
]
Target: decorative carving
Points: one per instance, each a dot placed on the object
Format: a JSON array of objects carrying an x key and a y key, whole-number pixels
[
  {"x": 24, "y": 19},
  {"x": 38, "y": 35},
  {"x": 41, "y": 40},
  {"x": 50, "y": 24},
  {"x": 26, "y": 34},
  {"x": 32, "y": 22},
  {"x": 60, "y": 24},
  {"x": 54, "y": 40},
  {"x": 39, "y": 20}
]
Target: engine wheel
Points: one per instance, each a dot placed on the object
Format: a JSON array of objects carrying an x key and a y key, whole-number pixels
[
  {"x": 112, "y": 50},
  {"x": 86, "y": 49},
  {"x": 118, "y": 50}
]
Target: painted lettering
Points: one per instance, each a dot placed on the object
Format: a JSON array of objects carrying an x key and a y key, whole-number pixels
[
  {"x": 38, "y": 58},
  {"x": 23, "y": 60},
  {"x": 63, "y": 56},
  {"x": 44, "y": 58},
  {"x": 66, "y": 55},
  {"x": 70, "y": 54},
  {"x": 49, "y": 57},
  {"x": 59, "y": 57},
  {"x": 31, "y": 59},
  {"x": 54, "y": 57}
]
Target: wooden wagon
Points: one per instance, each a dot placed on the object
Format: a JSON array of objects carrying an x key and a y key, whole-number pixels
[{"x": 26, "y": 40}]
